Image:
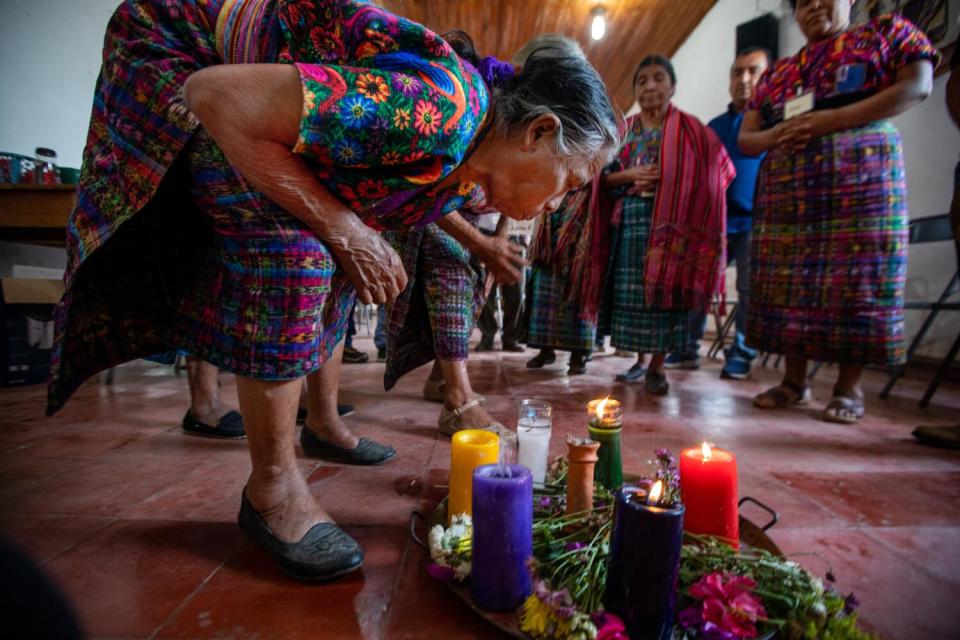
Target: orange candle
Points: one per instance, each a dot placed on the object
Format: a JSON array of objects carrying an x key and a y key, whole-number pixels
[
  {"x": 708, "y": 486},
  {"x": 468, "y": 450}
]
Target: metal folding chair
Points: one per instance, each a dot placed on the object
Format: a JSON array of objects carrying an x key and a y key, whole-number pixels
[{"x": 932, "y": 229}]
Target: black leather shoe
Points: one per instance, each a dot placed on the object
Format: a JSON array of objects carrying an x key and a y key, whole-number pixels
[
  {"x": 342, "y": 410},
  {"x": 541, "y": 359},
  {"x": 229, "y": 427},
  {"x": 483, "y": 346},
  {"x": 325, "y": 552},
  {"x": 513, "y": 347},
  {"x": 367, "y": 452}
]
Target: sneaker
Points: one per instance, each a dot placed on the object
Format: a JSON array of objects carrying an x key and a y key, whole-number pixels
[
  {"x": 736, "y": 369},
  {"x": 382, "y": 354},
  {"x": 682, "y": 361},
  {"x": 354, "y": 356}
]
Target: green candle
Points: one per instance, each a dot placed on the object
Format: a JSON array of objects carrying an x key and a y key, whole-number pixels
[{"x": 605, "y": 426}]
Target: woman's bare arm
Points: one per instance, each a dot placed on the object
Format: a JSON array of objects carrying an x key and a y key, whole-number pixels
[
  {"x": 253, "y": 111},
  {"x": 913, "y": 85}
]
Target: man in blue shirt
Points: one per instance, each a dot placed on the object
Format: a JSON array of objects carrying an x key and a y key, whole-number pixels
[{"x": 744, "y": 76}]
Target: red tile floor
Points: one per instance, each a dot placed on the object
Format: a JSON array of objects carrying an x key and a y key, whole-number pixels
[{"x": 135, "y": 520}]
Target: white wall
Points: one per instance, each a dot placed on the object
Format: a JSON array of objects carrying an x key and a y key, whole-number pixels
[
  {"x": 51, "y": 57},
  {"x": 931, "y": 143}
]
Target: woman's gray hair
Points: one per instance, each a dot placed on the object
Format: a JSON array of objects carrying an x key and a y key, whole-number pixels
[
  {"x": 555, "y": 77},
  {"x": 552, "y": 41}
]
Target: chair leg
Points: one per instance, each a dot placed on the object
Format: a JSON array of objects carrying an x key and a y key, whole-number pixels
[
  {"x": 723, "y": 330},
  {"x": 896, "y": 372},
  {"x": 944, "y": 366}
]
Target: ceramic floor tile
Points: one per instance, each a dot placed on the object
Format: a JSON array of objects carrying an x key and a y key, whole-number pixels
[
  {"x": 250, "y": 598},
  {"x": 882, "y": 510},
  {"x": 128, "y": 578}
]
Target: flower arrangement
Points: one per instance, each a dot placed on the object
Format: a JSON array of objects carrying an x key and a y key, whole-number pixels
[
  {"x": 744, "y": 594},
  {"x": 451, "y": 549},
  {"x": 725, "y": 594}
]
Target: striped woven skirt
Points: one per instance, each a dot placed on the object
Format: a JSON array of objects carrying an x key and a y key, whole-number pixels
[
  {"x": 634, "y": 325},
  {"x": 829, "y": 251},
  {"x": 169, "y": 248},
  {"x": 435, "y": 315},
  {"x": 555, "y": 322}
]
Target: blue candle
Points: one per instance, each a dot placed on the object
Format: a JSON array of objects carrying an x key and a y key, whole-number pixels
[
  {"x": 502, "y": 536},
  {"x": 644, "y": 564}
]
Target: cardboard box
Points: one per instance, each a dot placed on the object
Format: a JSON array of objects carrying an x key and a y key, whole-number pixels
[{"x": 26, "y": 329}]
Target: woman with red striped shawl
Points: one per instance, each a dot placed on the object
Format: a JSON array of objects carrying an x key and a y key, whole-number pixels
[{"x": 669, "y": 183}]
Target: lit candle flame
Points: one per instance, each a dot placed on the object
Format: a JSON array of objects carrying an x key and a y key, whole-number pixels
[
  {"x": 601, "y": 406},
  {"x": 705, "y": 450},
  {"x": 655, "y": 492}
]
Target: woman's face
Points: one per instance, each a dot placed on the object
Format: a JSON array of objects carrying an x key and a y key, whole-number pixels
[
  {"x": 820, "y": 19},
  {"x": 530, "y": 178},
  {"x": 653, "y": 87}
]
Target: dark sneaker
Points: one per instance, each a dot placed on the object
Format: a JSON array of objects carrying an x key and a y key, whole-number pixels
[
  {"x": 382, "y": 354},
  {"x": 682, "y": 361},
  {"x": 736, "y": 369},
  {"x": 656, "y": 384},
  {"x": 354, "y": 356}
]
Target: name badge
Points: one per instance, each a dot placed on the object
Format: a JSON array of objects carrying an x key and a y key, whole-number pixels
[
  {"x": 798, "y": 106},
  {"x": 851, "y": 77}
]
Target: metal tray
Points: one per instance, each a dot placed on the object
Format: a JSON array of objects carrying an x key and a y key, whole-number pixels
[{"x": 751, "y": 535}]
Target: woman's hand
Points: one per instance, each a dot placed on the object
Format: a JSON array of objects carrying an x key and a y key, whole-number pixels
[
  {"x": 371, "y": 264},
  {"x": 646, "y": 181},
  {"x": 796, "y": 133},
  {"x": 502, "y": 258}
]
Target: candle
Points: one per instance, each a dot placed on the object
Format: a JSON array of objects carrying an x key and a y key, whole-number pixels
[
  {"x": 605, "y": 426},
  {"x": 468, "y": 450},
  {"x": 582, "y": 456},
  {"x": 502, "y": 536},
  {"x": 533, "y": 435},
  {"x": 644, "y": 564},
  {"x": 708, "y": 486}
]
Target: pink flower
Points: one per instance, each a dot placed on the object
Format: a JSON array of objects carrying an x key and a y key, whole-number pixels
[
  {"x": 609, "y": 626},
  {"x": 727, "y": 608},
  {"x": 440, "y": 572}
]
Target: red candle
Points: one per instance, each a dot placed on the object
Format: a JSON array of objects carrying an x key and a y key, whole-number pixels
[{"x": 708, "y": 485}]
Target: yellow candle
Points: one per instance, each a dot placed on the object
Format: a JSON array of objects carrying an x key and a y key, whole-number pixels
[{"x": 468, "y": 450}]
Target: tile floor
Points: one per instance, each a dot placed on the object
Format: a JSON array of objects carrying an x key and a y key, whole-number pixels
[{"x": 135, "y": 521}]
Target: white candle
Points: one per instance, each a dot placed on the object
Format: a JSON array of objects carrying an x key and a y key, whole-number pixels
[{"x": 534, "y": 444}]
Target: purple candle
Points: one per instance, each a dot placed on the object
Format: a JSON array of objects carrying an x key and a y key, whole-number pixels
[
  {"x": 502, "y": 536},
  {"x": 644, "y": 563}
]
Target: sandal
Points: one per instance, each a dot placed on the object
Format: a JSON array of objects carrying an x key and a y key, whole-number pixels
[
  {"x": 784, "y": 395},
  {"x": 633, "y": 374},
  {"x": 449, "y": 421},
  {"x": 433, "y": 390},
  {"x": 844, "y": 409},
  {"x": 656, "y": 384}
]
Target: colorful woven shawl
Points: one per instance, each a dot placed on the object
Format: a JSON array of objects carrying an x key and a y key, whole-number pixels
[{"x": 686, "y": 257}]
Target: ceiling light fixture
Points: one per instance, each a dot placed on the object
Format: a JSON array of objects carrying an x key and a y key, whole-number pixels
[{"x": 598, "y": 26}]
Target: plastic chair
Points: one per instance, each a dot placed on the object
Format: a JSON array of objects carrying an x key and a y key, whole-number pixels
[{"x": 932, "y": 229}]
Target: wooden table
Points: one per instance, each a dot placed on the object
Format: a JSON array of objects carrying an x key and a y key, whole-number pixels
[{"x": 36, "y": 213}]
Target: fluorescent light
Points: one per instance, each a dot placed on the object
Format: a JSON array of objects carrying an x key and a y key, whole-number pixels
[{"x": 599, "y": 25}]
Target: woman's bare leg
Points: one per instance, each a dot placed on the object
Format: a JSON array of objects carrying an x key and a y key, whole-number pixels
[
  {"x": 206, "y": 405},
  {"x": 276, "y": 487},
  {"x": 457, "y": 391},
  {"x": 323, "y": 419}
]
